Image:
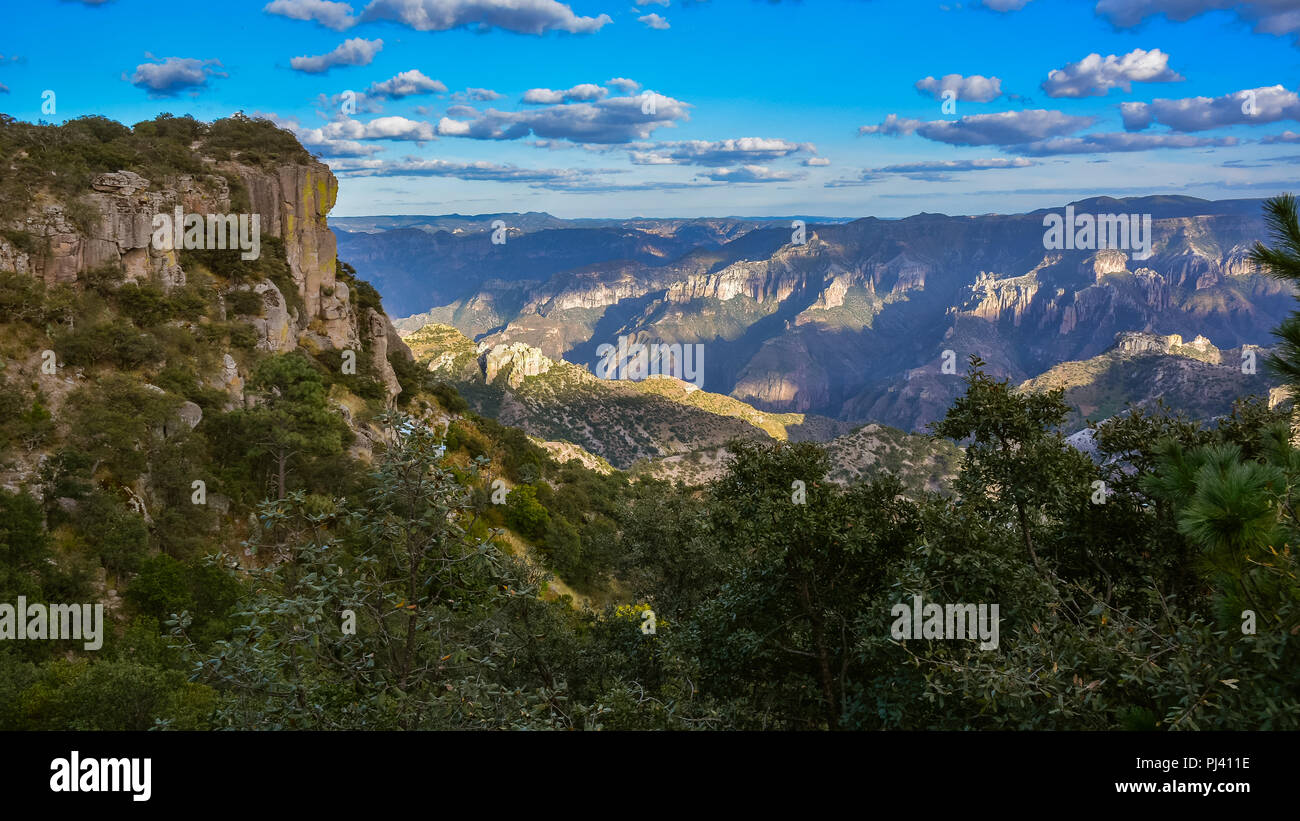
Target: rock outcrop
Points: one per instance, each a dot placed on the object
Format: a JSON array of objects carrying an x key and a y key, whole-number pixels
[
  {"x": 516, "y": 361},
  {"x": 112, "y": 225}
]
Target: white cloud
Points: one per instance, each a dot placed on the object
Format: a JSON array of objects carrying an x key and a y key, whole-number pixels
[
  {"x": 337, "y": 16},
  {"x": 624, "y": 85},
  {"x": 354, "y": 52},
  {"x": 1267, "y": 16},
  {"x": 520, "y": 16},
  {"x": 169, "y": 76},
  {"x": 477, "y": 95},
  {"x": 315, "y": 140},
  {"x": 448, "y": 127},
  {"x": 1248, "y": 107},
  {"x": 406, "y": 84},
  {"x": 1095, "y": 76},
  {"x": 613, "y": 120},
  {"x": 1120, "y": 142},
  {"x": 893, "y": 126},
  {"x": 752, "y": 150},
  {"x": 380, "y": 128},
  {"x": 1284, "y": 137},
  {"x": 653, "y": 21},
  {"x": 581, "y": 93},
  {"x": 1007, "y": 128},
  {"x": 941, "y": 170},
  {"x": 975, "y": 88},
  {"x": 751, "y": 173}
]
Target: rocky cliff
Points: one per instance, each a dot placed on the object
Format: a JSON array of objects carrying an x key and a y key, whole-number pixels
[{"x": 60, "y": 239}]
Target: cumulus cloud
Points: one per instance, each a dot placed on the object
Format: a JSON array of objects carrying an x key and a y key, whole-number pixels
[
  {"x": 337, "y": 16},
  {"x": 624, "y": 85},
  {"x": 1248, "y": 107},
  {"x": 380, "y": 128},
  {"x": 750, "y": 150},
  {"x": 816, "y": 161},
  {"x": 169, "y": 76},
  {"x": 581, "y": 93},
  {"x": 354, "y": 52},
  {"x": 1120, "y": 142},
  {"x": 520, "y": 16},
  {"x": 4, "y": 89},
  {"x": 653, "y": 21},
  {"x": 1095, "y": 76},
  {"x": 752, "y": 173},
  {"x": 370, "y": 101},
  {"x": 893, "y": 126},
  {"x": 1278, "y": 17},
  {"x": 315, "y": 140},
  {"x": 343, "y": 137},
  {"x": 975, "y": 88},
  {"x": 613, "y": 120},
  {"x": 406, "y": 84},
  {"x": 1007, "y": 128}
]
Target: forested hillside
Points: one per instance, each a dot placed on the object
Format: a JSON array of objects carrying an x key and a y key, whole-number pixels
[{"x": 283, "y": 541}]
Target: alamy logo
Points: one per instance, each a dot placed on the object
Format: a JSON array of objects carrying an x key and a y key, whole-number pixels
[
  {"x": 953, "y": 621},
  {"x": 223, "y": 231},
  {"x": 637, "y": 360},
  {"x": 1086, "y": 232},
  {"x": 75, "y": 774},
  {"x": 53, "y": 622}
]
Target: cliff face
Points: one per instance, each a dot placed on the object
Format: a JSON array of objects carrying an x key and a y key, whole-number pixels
[
  {"x": 1192, "y": 375},
  {"x": 112, "y": 224}
]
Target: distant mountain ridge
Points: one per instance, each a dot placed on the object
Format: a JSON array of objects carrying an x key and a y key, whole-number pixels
[{"x": 855, "y": 322}]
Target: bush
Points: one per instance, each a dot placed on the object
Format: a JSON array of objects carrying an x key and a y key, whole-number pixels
[
  {"x": 254, "y": 141},
  {"x": 146, "y": 304},
  {"x": 160, "y": 589},
  {"x": 118, "y": 534},
  {"x": 524, "y": 514},
  {"x": 449, "y": 398},
  {"x": 244, "y": 303},
  {"x": 115, "y": 341}
]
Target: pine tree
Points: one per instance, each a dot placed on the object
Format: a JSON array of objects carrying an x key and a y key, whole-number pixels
[{"x": 1283, "y": 262}]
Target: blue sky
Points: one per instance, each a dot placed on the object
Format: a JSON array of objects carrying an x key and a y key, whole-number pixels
[{"x": 725, "y": 107}]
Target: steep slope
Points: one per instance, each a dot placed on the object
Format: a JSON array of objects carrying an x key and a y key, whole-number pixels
[
  {"x": 98, "y": 306},
  {"x": 1191, "y": 376},
  {"x": 660, "y": 426},
  {"x": 60, "y": 238}
]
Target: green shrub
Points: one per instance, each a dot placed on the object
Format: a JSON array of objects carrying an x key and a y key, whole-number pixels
[
  {"x": 525, "y": 514},
  {"x": 145, "y": 304},
  {"x": 244, "y": 303}
]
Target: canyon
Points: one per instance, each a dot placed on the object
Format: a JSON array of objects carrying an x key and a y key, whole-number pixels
[{"x": 854, "y": 322}]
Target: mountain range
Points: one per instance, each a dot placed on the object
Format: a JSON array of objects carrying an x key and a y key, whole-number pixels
[{"x": 854, "y": 322}]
